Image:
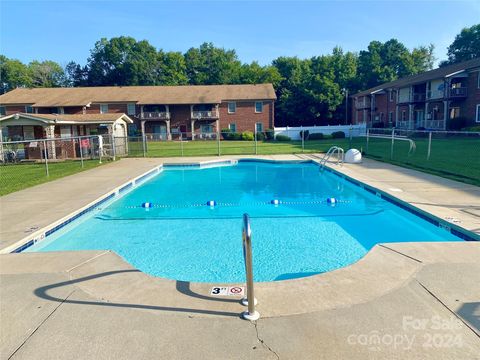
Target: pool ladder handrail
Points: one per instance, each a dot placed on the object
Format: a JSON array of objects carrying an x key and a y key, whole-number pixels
[
  {"x": 250, "y": 301},
  {"x": 330, "y": 152}
]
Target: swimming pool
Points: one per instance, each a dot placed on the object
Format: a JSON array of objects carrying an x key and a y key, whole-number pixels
[{"x": 183, "y": 238}]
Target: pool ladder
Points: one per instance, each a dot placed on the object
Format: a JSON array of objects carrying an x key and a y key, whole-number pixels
[
  {"x": 334, "y": 149},
  {"x": 250, "y": 301}
]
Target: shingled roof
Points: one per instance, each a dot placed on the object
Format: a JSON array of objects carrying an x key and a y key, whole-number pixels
[
  {"x": 71, "y": 118},
  {"x": 168, "y": 95},
  {"x": 438, "y": 73}
]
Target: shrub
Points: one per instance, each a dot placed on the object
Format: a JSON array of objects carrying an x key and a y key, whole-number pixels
[
  {"x": 269, "y": 134},
  {"x": 247, "y": 136},
  {"x": 472, "y": 128},
  {"x": 378, "y": 125},
  {"x": 260, "y": 136},
  {"x": 304, "y": 134},
  {"x": 282, "y": 138},
  {"x": 316, "y": 136},
  {"x": 236, "y": 136},
  {"x": 456, "y": 124},
  {"x": 227, "y": 134},
  {"x": 338, "y": 135}
]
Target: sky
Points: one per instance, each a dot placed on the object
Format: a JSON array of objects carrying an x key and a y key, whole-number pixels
[{"x": 263, "y": 30}]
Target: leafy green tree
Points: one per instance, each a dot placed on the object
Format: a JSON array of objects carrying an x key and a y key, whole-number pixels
[
  {"x": 122, "y": 61},
  {"x": 209, "y": 65},
  {"x": 46, "y": 74},
  {"x": 76, "y": 75},
  {"x": 254, "y": 73},
  {"x": 384, "y": 62},
  {"x": 13, "y": 74},
  {"x": 173, "y": 69},
  {"x": 466, "y": 45},
  {"x": 294, "y": 104}
]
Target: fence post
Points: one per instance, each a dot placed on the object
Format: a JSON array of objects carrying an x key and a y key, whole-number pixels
[
  {"x": 255, "y": 139},
  {"x": 350, "y": 140},
  {"x": 81, "y": 151},
  {"x": 46, "y": 156},
  {"x": 429, "y": 145},
  {"x": 393, "y": 140},
  {"x": 144, "y": 143},
  {"x": 114, "y": 152},
  {"x": 302, "y": 135},
  {"x": 368, "y": 136},
  {"x": 100, "y": 148},
  {"x": 218, "y": 141},
  {"x": 181, "y": 142}
]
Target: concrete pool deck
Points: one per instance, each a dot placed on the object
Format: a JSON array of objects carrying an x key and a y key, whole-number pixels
[{"x": 401, "y": 301}]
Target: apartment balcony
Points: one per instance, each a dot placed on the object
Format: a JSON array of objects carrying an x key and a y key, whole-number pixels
[
  {"x": 418, "y": 97},
  {"x": 457, "y": 93},
  {"x": 155, "y": 115},
  {"x": 204, "y": 115},
  {"x": 362, "y": 104}
]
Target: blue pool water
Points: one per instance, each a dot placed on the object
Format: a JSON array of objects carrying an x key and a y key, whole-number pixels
[{"x": 181, "y": 238}]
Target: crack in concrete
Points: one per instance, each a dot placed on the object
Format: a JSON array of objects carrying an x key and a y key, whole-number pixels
[
  {"x": 39, "y": 325},
  {"x": 450, "y": 310},
  {"x": 255, "y": 324},
  {"x": 400, "y": 253}
]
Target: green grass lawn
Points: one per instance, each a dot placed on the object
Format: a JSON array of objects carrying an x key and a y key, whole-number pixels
[
  {"x": 455, "y": 158},
  {"x": 20, "y": 176}
]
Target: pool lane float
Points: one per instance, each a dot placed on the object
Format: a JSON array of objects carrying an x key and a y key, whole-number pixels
[
  {"x": 331, "y": 201},
  {"x": 211, "y": 203},
  {"x": 275, "y": 202},
  {"x": 147, "y": 205}
]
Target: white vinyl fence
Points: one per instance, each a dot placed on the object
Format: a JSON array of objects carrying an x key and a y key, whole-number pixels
[{"x": 294, "y": 131}]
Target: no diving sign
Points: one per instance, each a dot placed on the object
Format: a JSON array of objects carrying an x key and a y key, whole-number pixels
[{"x": 227, "y": 291}]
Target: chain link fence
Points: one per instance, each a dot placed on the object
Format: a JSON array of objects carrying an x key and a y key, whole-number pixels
[
  {"x": 454, "y": 155},
  {"x": 451, "y": 154},
  {"x": 31, "y": 162}
]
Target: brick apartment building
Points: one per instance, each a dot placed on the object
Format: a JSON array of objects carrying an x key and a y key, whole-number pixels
[
  {"x": 440, "y": 99},
  {"x": 162, "y": 112}
]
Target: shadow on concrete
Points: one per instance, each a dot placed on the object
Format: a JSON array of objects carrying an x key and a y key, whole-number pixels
[
  {"x": 182, "y": 286},
  {"x": 470, "y": 312}
]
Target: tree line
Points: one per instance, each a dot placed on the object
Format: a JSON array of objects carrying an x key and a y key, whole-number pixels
[{"x": 310, "y": 91}]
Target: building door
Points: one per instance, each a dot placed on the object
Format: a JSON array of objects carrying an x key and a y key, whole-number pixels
[{"x": 419, "y": 117}]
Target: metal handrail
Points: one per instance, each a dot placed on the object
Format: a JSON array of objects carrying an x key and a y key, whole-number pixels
[
  {"x": 249, "y": 300},
  {"x": 330, "y": 152}
]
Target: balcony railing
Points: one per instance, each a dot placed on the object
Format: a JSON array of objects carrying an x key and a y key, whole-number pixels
[
  {"x": 434, "y": 124},
  {"x": 157, "y": 115},
  {"x": 459, "y": 92},
  {"x": 212, "y": 114},
  {"x": 418, "y": 97},
  {"x": 362, "y": 104}
]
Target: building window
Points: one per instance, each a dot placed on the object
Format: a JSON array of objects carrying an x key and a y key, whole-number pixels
[
  {"x": 233, "y": 127},
  {"x": 259, "y": 127},
  {"x": 390, "y": 96},
  {"x": 103, "y": 108},
  {"x": 390, "y": 117},
  {"x": 258, "y": 106},
  {"x": 478, "y": 113},
  {"x": 3, "y": 110},
  {"x": 130, "y": 109},
  {"x": 29, "y": 109},
  {"x": 232, "y": 107},
  {"x": 60, "y": 110},
  {"x": 404, "y": 115},
  {"x": 454, "y": 112},
  {"x": 206, "y": 129}
]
